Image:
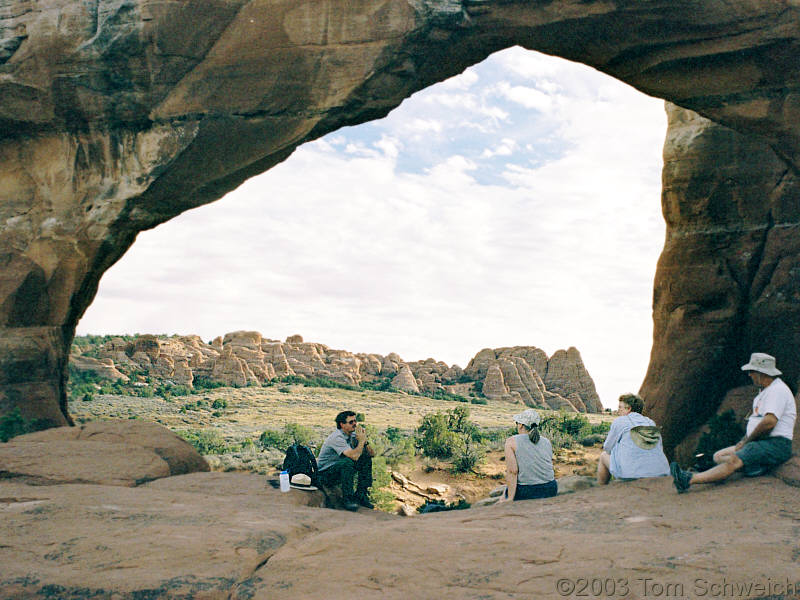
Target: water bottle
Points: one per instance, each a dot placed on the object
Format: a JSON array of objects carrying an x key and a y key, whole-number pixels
[{"x": 285, "y": 481}]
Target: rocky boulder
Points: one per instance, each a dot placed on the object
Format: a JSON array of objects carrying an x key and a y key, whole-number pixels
[{"x": 126, "y": 453}]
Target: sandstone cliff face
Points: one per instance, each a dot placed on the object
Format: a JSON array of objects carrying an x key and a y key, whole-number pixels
[
  {"x": 728, "y": 280},
  {"x": 245, "y": 358},
  {"x": 112, "y": 115}
]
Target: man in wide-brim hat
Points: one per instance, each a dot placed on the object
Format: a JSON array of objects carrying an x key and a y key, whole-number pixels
[{"x": 770, "y": 426}]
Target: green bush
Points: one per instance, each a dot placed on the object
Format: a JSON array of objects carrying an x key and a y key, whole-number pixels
[
  {"x": 392, "y": 445},
  {"x": 281, "y": 440},
  {"x": 434, "y": 438},
  {"x": 379, "y": 493},
  {"x": 381, "y": 385},
  {"x": 441, "y": 435},
  {"x": 206, "y": 383},
  {"x": 12, "y": 424},
  {"x": 219, "y": 403},
  {"x": 324, "y": 382},
  {"x": 205, "y": 441},
  {"x": 468, "y": 455}
]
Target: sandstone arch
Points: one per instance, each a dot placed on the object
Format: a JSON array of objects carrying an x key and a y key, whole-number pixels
[{"x": 113, "y": 114}]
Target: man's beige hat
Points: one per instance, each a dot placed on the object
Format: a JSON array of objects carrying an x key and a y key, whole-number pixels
[
  {"x": 527, "y": 417},
  {"x": 763, "y": 363},
  {"x": 301, "y": 481}
]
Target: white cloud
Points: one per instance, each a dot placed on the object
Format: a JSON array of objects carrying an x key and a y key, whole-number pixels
[{"x": 527, "y": 96}]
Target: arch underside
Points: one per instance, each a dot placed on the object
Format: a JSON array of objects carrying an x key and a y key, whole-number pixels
[{"x": 113, "y": 116}]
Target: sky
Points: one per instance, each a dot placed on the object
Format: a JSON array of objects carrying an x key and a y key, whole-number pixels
[{"x": 515, "y": 204}]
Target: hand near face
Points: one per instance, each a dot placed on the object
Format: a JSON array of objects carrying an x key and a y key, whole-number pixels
[{"x": 361, "y": 433}]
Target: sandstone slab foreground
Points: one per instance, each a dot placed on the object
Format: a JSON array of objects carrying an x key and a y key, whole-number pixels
[{"x": 227, "y": 535}]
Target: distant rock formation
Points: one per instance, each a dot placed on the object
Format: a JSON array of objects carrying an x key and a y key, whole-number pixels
[
  {"x": 522, "y": 374},
  {"x": 525, "y": 374}
]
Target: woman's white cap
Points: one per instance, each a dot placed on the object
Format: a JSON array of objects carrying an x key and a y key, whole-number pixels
[{"x": 527, "y": 417}]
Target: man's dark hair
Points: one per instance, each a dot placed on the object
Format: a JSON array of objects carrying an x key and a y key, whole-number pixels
[
  {"x": 343, "y": 416},
  {"x": 634, "y": 401}
]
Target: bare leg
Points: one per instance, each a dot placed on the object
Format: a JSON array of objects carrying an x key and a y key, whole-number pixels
[
  {"x": 731, "y": 464},
  {"x": 721, "y": 456},
  {"x": 604, "y": 468}
]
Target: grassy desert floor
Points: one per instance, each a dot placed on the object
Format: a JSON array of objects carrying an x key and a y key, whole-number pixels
[{"x": 250, "y": 411}]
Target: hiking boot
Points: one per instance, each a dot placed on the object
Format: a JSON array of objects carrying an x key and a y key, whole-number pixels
[
  {"x": 364, "y": 501},
  {"x": 680, "y": 478},
  {"x": 350, "y": 505}
]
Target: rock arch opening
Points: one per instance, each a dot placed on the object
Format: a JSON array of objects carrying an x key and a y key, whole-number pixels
[
  {"x": 112, "y": 122},
  {"x": 514, "y": 204}
]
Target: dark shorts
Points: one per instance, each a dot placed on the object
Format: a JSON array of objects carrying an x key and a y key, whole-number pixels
[
  {"x": 764, "y": 454},
  {"x": 533, "y": 492}
]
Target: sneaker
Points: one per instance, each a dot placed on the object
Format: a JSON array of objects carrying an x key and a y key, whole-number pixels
[
  {"x": 350, "y": 505},
  {"x": 680, "y": 478}
]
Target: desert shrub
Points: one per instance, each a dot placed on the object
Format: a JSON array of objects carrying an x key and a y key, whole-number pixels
[
  {"x": 381, "y": 385},
  {"x": 285, "y": 390},
  {"x": 440, "y": 435},
  {"x": 360, "y": 417},
  {"x": 467, "y": 456},
  {"x": 552, "y": 432},
  {"x": 723, "y": 431},
  {"x": 477, "y": 388},
  {"x": 443, "y": 394},
  {"x": 205, "y": 441},
  {"x": 13, "y": 424},
  {"x": 206, "y": 383},
  {"x": 281, "y": 440},
  {"x": 392, "y": 445},
  {"x": 478, "y": 401},
  {"x": 219, "y": 403},
  {"x": 381, "y": 497},
  {"x": 434, "y": 437},
  {"x": 167, "y": 390},
  {"x": 572, "y": 424},
  {"x": 393, "y": 434},
  {"x": 324, "y": 382}
]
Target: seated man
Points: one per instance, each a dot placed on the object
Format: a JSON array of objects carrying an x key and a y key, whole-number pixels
[
  {"x": 633, "y": 447},
  {"x": 345, "y": 454},
  {"x": 770, "y": 427}
]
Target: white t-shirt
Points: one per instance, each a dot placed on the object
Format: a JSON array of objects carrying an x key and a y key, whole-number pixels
[{"x": 777, "y": 399}]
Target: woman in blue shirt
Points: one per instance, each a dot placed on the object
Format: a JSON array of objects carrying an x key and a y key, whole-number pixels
[{"x": 633, "y": 447}]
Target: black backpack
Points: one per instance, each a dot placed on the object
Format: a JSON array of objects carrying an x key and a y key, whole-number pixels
[{"x": 300, "y": 459}]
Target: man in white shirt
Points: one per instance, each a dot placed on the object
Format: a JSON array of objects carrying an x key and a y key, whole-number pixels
[{"x": 770, "y": 426}]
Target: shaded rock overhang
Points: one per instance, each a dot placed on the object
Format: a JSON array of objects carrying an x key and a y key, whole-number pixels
[{"x": 116, "y": 116}]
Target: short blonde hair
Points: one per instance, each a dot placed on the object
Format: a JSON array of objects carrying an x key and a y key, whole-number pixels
[{"x": 634, "y": 401}]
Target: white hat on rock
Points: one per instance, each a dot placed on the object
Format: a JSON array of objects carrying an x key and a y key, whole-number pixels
[
  {"x": 527, "y": 417},
  {"x": 301, "y": 481},
  {"x": 763, "y": 363}
]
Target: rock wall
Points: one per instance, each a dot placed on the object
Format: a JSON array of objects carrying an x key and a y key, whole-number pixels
[
  {"x": 243, "y": 358},
  {"x": 728, "y": 280},
  {"x": 112, "y": 115}
]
